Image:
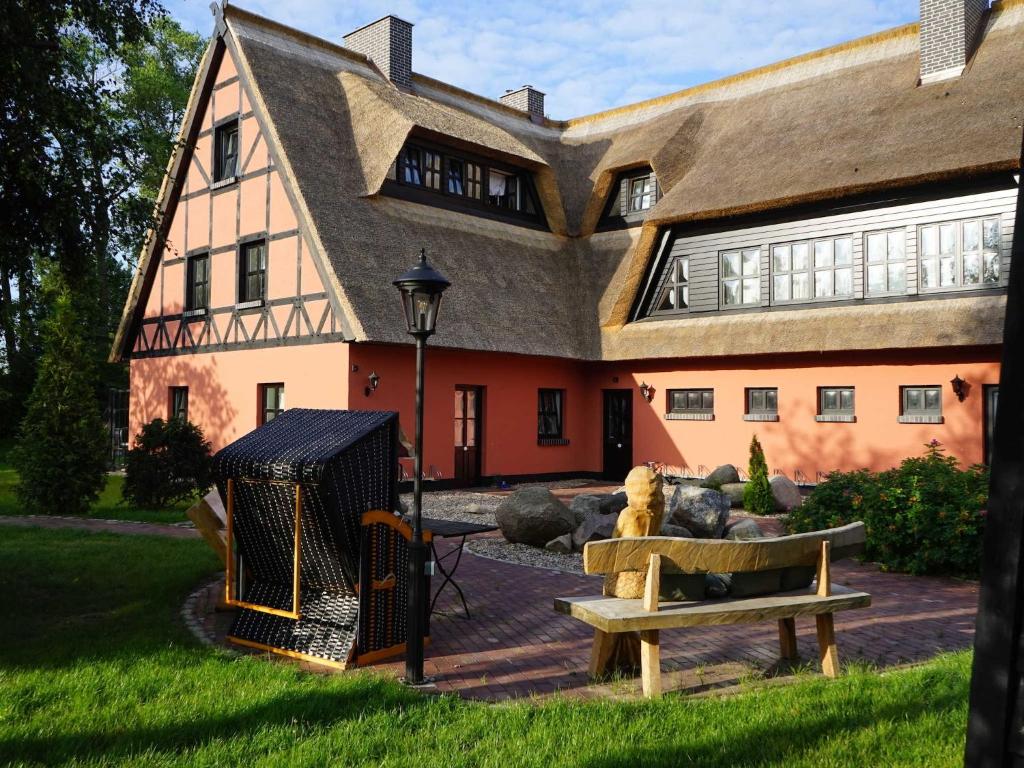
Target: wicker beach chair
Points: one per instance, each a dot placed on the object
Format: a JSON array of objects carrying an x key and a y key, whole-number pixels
[{"x": 316, "y": 560}]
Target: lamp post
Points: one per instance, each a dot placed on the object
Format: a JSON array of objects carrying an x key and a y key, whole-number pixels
[{"x": 421, "y": 288}]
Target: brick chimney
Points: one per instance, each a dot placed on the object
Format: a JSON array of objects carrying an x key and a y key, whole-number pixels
[
  {"x": 949, "y": 33},
  {"x": 387, "y": 43},
  {"x": 526, "y": 99}
]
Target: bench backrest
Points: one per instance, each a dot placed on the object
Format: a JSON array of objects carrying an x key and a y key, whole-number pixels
[{"x": 679, "y": 555}]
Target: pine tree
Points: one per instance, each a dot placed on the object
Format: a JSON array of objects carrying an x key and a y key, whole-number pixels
[
  {"x": 61, "y": 450},
  {"x": 757, "y": 495}
]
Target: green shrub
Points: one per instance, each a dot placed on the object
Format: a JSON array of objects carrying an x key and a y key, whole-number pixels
[
  {"x": 926, "y": 516},
  {"x": 757, "y": 493},
  {"x": 169, "y": 462},
  {"x": 61, "y": 452}
]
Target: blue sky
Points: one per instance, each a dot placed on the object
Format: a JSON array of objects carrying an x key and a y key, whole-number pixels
[{"x": 587, "y": 55}]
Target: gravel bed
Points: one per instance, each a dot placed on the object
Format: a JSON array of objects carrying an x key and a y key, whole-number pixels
[
  {"x": 459, "y": 506},
  {"x": 524, "y": 554}
]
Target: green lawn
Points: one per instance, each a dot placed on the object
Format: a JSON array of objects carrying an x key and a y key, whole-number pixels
[
  {"x": 108, "y": 506},
  {"x": 95, "y": 669}
]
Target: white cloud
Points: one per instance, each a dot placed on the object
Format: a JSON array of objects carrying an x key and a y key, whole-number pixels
[{"x": 588, "y": 55}]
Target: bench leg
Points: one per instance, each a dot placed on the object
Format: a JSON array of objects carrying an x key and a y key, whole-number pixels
[
  {"x": 650, "y": 664},
  {"x": 787, "y": 638},
  {"x": 601, "y": 652},
  {"x": 827, "y": 645}
]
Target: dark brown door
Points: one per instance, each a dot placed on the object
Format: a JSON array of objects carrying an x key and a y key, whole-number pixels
[
  {"x": 468, "y": 427},
  {"x": 618, "y": 433}
]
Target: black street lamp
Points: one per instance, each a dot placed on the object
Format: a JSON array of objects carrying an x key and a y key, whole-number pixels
[{"x": 421, "y": 288}]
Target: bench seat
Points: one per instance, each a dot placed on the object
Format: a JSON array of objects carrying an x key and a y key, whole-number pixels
[{"x": 616, "y": 614}]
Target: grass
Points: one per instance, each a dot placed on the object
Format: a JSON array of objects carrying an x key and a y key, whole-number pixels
[
  {"x": 95, "y": 670},
  {"x": 109, "y": 505}
]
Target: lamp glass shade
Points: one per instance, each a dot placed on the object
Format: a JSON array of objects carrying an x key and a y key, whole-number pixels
[{"x": 421, "y": 288}]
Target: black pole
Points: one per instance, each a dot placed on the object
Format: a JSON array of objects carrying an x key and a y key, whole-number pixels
[{"x": 416, "y": 616}]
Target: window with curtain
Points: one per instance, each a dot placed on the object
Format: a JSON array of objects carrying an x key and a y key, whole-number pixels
[
  {"x": 411, "y": 166},
  {"x": 549, "y": 414},
  {"x": 456, "y": 176}
]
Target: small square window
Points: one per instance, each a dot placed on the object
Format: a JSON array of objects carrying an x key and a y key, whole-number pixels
[
  {"x": 503, "y": 190},
  {"x": 762, "y": 404},
  {"x": 179, "y": 403},
  {"x": 225, "y": 164},
  {"x": 271, "y": 402},
  {"x": 641, "y": 193},
  {"x": 921, "y": 404},
  {"x": 740, "y": 277},
  {"x": 835, "y": 404},
  {"x": 550, "y": 414},
  {"x": 252, "y": 272}
]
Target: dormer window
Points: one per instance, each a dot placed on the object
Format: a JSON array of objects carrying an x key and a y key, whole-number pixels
[
  {"x": 633, "y": 194},
  {"x": 463, "y": 182},
  {"x": 641, "y": 193}
]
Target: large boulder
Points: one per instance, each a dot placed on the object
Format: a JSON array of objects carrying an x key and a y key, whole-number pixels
[
  {"x": 786, "y": 493},
  {"x": 533, "y": 516},
  {"x": 743, "y": 529},
  {"x": 595, "y": 527},
  {"x": 720, "y": 476},
  {"x": 561, "y": 545},
  {"x": 703, "y": 511},
  {"x": 613, "y": 503},
  {"x": 667, "y": 529},
  {"x": 734, "y": 491},
  {"x": 584, "y": 505}
]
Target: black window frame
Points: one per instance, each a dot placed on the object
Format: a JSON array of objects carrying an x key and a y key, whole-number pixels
[
  {"x": 472, "y": 194},
  {"x": 220, "y": 156},
  {"x": 618, "y": 211},
  {"x": 177, "y": 398},
  {"x": 840, "y": 413},
  {"x": 244, "y": 273},
  {"x": 192, "y": 304},
  {"x": 550, "y": 415},
  {"x": 263, "y": 408},
  {"x": 704, "y": 411},
  {"x": 755, "y": 412}
]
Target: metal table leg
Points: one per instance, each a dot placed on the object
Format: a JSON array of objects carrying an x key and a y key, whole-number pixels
[{"x": 449, "y": 576}]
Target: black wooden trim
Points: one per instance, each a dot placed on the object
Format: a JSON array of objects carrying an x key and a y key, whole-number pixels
[
  {"x": 173, "y": 262},
  {"x": 248, "y": 344},
  {"x": 238, "y": 116}
]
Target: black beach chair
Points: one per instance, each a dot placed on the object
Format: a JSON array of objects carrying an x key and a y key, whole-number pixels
[{"x": 317, "y": 561}]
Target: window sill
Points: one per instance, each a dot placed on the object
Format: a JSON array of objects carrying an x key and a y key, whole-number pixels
[
  {"x": 215, "y": 185},
  {"x": 200, "y": 312},
  {"x": 836, "y": 418},
  {"x": 249, "y": 304},
  {"x": 552, "y": 441},
  {"x": 921, "y": 420},
  {"x": 690, "y": 416},
  {"x": 760, "y": 417}
]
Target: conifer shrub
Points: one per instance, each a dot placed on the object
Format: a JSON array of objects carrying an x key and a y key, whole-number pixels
[
  {"x": 757, "y": 493},
  {"x": 170, "y": 461},
  {"x": 61, "y": 451},
  {"x": 926, "y": 516}
]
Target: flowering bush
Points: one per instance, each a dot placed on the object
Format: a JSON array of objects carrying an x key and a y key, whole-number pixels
[{"x": 926, "y": 516}]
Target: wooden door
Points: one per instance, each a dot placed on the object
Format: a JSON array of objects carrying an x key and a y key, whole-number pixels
[
  {"x": 618, "y": 433},
  {"x": 468, "y": 430},
  {"x": 991, "y": 392}
]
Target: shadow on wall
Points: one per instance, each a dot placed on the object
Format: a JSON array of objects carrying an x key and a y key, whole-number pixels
[{"x": 210, "y": 406}]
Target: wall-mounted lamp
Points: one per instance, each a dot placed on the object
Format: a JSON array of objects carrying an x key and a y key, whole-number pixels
[
  {"x": 372, "y": 381},
  {"x": 646, "y": 391},
  {"x": 959, "y": 387}
]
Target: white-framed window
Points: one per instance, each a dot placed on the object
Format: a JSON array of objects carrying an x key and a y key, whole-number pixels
[
  {"x": 740, "y": 273},
  {"x": 959, "y": 254},
  {"x": 675, "y": 296},
  {"x": 885, "y": 262},
  {"x": 808, "y": 270},
  {"x": 641, "y": 193}
]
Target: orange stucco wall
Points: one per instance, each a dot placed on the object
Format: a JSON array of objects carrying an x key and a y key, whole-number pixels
[
  {"x": 223, "y": 386},
  {"x": 797, "y": 441},
  {"x": 510, "y": 385}
]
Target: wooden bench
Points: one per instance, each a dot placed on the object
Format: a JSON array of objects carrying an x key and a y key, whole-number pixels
[{"x": 659, "y": 555}]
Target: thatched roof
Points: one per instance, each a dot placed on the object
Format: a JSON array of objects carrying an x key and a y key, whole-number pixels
[{"x": 829, "y": 124}]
